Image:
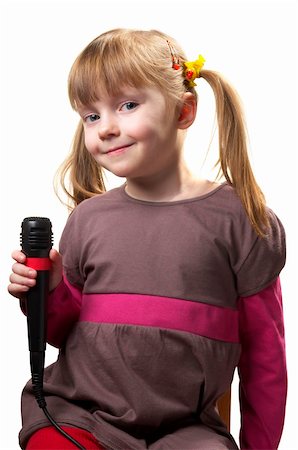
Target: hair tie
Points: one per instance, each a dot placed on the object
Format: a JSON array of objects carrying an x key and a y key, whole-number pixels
[{"x": 192, "y": 70}]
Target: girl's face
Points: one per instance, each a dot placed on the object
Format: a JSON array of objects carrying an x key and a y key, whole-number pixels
[{"x": 133, "y": 134}]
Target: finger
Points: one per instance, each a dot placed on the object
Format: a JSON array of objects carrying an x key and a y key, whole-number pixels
[
  {"x": 24, "y": 271},
  {"x": 55, "y": 257},
  {"x": 56, "y": 272},
  {"x": 20, "y": 280},
  {"x": 19, "y": 256},
  {"x": 17, "y": 291}
]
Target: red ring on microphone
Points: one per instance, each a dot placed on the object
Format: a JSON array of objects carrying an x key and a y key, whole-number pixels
[{"x": 39, "y": 263}]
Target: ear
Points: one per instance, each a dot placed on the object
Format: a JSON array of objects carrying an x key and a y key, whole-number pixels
[{"x": 188, "y": 111}]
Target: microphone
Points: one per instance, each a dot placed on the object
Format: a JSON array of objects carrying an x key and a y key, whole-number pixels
[{"x": 36, "y": 242}]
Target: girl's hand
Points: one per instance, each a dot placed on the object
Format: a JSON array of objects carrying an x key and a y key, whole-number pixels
[{"x": 23, "y": 278}]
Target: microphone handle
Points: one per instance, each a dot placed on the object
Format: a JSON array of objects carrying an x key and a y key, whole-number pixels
[{"x": 36, "y": 320}]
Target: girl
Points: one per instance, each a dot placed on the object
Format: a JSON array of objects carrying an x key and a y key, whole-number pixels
[{"x": 169, "y": 282}]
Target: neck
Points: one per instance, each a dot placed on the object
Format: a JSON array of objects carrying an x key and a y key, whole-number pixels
[{"x": 172, "y": 186}]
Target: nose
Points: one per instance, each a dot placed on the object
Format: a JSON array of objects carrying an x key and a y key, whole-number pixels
[{"x": 108, "y": 126}]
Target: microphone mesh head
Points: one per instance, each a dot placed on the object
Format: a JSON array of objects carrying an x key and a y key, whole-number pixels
[{"x": 36, "y": 236}]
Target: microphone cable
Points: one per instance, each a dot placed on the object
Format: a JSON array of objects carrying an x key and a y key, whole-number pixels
[
  {"x": 36, "y": 243},
  {"x": 37, "y": 385}
]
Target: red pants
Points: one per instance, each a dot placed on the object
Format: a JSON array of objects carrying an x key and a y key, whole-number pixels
[{"x": 50, "y": 439}]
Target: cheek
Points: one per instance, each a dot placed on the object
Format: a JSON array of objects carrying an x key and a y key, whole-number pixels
[
  {"x": 90, "y": 143},
  {"x": 144, "y": 128}
]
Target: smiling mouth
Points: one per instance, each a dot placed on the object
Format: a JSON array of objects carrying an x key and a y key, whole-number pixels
[{"x": 117, "y": 150}]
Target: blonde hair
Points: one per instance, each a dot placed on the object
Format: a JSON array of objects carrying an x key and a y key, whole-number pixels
[{"x": 138, "y": 58}]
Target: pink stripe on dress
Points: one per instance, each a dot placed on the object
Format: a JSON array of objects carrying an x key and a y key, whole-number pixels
[{"x": 163, "y": 312}]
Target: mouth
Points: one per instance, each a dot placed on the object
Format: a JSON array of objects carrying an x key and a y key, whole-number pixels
[{"x": 118, "y": 150}]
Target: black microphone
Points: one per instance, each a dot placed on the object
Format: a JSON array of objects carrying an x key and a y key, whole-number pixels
[{"x": 36, "y": 242}]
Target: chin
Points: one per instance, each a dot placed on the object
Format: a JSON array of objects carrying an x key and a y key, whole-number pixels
[{"x": 121, "y": 173}]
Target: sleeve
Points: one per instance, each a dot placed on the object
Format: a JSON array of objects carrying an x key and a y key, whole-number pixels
[
  {"x": 63, "y": 310},
  {"x": 260, "y": 259},
  {"x": 262, "y": 369},
  {"x": 64, "y": 305}
]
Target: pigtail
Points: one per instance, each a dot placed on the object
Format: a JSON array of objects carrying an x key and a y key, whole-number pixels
[
  {"x": 233, "y": 155},
  {"x": 79, "y": 175}
]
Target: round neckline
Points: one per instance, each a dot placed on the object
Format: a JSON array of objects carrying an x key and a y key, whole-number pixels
[{"x": 170, "y": 203}]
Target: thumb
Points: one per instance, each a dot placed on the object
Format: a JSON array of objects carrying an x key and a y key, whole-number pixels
[
  {"x": 56, "y": 271},
  {"x": 55, "y": 257}
]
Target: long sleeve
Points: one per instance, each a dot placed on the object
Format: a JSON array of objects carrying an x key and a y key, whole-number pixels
[
  {"x": 262, "y": 369},
  {"x": 64, "y": 306}
]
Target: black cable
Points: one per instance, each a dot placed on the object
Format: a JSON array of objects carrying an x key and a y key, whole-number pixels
[
  {"x": 38, "y": 393},
  {"x": 66, "y": 435}
]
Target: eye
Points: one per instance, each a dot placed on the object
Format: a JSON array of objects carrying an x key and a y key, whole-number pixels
[
  {"x": 91, "y": 118},
  {"x": 128, "y": 106}
]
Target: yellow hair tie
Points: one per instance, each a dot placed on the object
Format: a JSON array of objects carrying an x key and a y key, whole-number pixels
[{"x": 192, "y": 70}]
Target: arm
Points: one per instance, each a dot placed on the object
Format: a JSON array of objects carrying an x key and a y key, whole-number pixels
[
  {"x": 262, "y": 369},
  {"x": 64, "y": 306}
]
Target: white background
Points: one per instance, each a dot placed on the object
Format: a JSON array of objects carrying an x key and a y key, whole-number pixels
[{"x": 253, "y": 43}]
